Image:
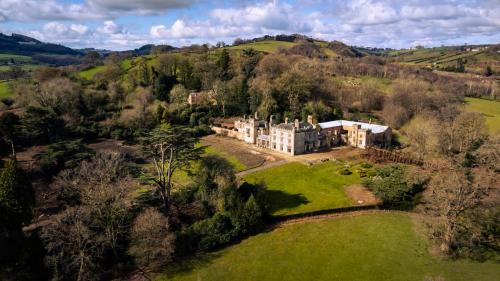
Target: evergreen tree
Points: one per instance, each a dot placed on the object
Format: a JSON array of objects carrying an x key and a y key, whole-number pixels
[
  {"x": 16, "y": 195},
  {"x": 162, "y": 86},
  {"x": 224, "y": 65}
]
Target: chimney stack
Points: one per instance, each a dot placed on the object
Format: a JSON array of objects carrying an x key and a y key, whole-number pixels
[
  {"x": 286, "y": 120},
  {"x": 256, "y": 115},
  {"x": 370, "y": 121},
  {"x": 297, "y": 124},
  {"x": 271, "y": 119}
]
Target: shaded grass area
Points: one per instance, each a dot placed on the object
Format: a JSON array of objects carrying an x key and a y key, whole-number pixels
[
  {"x": 490, "y": 110},
  {"x": 4, "y": 89},
  {"x": 374, "y": 247},
  {"x": 296, "y": 188}
]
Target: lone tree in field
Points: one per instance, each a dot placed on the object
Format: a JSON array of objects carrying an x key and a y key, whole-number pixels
[{"x": 170, "y": 148}]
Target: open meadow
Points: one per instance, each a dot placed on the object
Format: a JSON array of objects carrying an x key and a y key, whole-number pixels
[
  {"x": 296, "y": 188},
  {"x": 370, "y": 247},
  {"x": 490, "y": 110},
  {"x": 4, "y": 89}
]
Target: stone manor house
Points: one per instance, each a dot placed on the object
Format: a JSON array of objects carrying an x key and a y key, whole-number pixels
[{"x": 303, "y": 137}]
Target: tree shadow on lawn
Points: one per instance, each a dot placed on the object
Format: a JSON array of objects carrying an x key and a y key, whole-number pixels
[
  {"x": 280, "y": 200},
  {"x": 189, "y": 264}
]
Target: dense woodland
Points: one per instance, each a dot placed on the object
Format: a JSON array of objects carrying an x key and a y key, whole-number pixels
[{"x": 101, "y": 230}]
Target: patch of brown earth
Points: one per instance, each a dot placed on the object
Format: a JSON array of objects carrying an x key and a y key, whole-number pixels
[
  {"x": 361, "y": 195},
  {"x": 111, "y": 145}
]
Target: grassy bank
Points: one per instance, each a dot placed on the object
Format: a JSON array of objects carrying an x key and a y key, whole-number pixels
[{"x": 376, "y": 247}]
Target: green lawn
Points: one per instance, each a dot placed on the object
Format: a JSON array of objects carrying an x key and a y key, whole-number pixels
[
  {"x": 376, "y": 247},
  {"x": 182, "y": 177},
  {"x": 233, "y": 160},
  {"x": 297, "y": 188},
  {"x": 4, "y": 89},
  {"x": 490, "y": 109}
]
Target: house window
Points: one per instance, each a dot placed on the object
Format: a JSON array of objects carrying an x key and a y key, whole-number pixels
[
  {"x": 360, "y": 142},
  {"x": 248, "y": 132},
  {"x": 289, "y": 149}
]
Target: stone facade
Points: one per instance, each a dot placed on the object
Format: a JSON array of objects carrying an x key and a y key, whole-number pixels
[
  {"x": 305, "y": 137},
  {"x": 356, "y": 134}
]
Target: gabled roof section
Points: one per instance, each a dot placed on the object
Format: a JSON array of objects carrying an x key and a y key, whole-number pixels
[{"x": 375, "y": 128}]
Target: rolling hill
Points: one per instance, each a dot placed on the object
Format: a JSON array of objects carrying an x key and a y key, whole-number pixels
[
  {"x": 474, "y": 58},
  {"x": 17, "y": 44}
]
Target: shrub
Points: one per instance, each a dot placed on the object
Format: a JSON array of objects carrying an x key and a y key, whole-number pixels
[
  {"x": 366, "y": 165},
  {"x": 345, "y": 171},
  {"x": 362, "y": 173},
  {"x": 395, "y": 186}
]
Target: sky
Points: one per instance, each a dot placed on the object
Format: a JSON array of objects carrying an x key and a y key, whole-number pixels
[{"x": 128, "y": 24}]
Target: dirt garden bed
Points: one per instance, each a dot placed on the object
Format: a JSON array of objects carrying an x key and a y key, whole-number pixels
[{"x": 360, "y": 195}]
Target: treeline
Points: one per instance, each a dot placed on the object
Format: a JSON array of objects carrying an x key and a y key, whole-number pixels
[{"x": 103, "y": 230}]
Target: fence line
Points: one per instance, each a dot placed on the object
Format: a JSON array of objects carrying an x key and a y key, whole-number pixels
[
  {"x": 396, "y": 156},
  {"x": 284, "y": 218}
]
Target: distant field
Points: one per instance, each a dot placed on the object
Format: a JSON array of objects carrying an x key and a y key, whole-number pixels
[
  {"x": 270, "y": 46},
  {"x": 376, "y": 247},
  {"x": 489, "y": 109},
  {"x": 446, "y": 56},
  {"x": 4, "y": 90},
  {"x": 297, "y": 188},
  {"x": 16, "y": 58},
  {"x": 91, "y": 72},
  {"x": 25, "y": 67}
]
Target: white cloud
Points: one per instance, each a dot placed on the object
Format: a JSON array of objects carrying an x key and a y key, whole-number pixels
[
  {"x": 79, "y": 28},
  {"x": 152, "y": 5},
  {"x": 109, "y": 27},
  {"x": 383, "y": 23},
  {"x": 367, "y": 12},
  {"x": 32, "y": 10}
]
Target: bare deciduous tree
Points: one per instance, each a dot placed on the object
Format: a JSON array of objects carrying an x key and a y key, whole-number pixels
[
  {"x": 152, "y": 242},
  {"x": 451, "y": 205},
  {"x": 71, "y": 248}
]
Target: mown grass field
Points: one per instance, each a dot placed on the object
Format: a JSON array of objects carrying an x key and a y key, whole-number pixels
[
  {"x": 371, "y": 247},
  {"x": 296, "y": 188},
  {"x": 490, "y": 110},
  {"x": 4, "y": 89}
]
